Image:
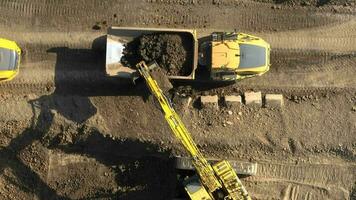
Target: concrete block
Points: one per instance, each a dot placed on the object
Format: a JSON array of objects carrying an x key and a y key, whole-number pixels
[
  {"x": 253, "y": 98},
  {"x": 233, "y": 100},
  {"x": 209, "y": 101},
  {"x": 274, "y": 100}
]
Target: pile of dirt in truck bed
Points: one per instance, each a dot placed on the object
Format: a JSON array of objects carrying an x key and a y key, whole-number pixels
[{"x": 171, "y": 51}]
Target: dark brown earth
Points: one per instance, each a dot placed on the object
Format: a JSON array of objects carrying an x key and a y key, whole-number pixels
[
  {"x": 69, "y": 132},
  {"x": 172, "y": 52}
]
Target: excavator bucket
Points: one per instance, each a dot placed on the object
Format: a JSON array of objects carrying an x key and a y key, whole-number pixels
[{"x": 119, "y": 38}]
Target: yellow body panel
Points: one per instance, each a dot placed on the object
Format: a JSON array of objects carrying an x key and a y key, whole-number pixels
[
  {"x": 8, "y": 44},
  {"x": 224, "y": 55},
  {"x": 10, "y": 74},
  {"x": 230, "y": 180}
]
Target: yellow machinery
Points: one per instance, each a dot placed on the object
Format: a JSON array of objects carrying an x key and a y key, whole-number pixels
[
  {"x": 234, "y": 56},
  {"x": 216, "y": 181},
  {"x": 222, "y": 56},
  {"x": 10, "y": 55}
]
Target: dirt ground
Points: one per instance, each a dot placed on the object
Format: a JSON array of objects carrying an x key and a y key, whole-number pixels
[
  {"x": 172, "y": 52},
  {"x": 69, "y": 132}
]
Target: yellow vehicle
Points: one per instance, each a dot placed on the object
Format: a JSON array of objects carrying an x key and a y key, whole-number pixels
[
  {"x": 217, "y": 181},
  {"x": 10, "y": 54},
  {"x": 234, "y": 56},
  {"x": 223, "y": 56}
]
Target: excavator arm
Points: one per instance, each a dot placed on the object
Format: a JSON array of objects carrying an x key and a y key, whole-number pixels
[{"x": 217, "y": 181}]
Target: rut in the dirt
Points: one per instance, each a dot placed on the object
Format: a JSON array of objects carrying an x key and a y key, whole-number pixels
[{"x": 311, "y": 2}]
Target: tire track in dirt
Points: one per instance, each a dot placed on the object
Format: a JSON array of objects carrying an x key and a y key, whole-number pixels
[
  {"x": 39, "y": 7},
  {"x": 284, "y": 81},
  {"x": 51, "y": 58},
  {"x": 245, "y": 16},
  {"x": 70, "y": 78},
  {"x": 337, "y": 72},
  {"x": 79, "y": 67},
  {"x": 78, "y": 72},
  {"x": 36, "y": 45},
  {"x": 288, "y": 60},
  {"x": 289, "y": 190},
  {"x": 71, "y": 39},
  {"x": 317, "y": 174},
  {"x": 41, "y": 46},
  {"x": 335, "y": 37},
  {"x": 54, "y": 15},
  {"x": 33, "y": 77}
]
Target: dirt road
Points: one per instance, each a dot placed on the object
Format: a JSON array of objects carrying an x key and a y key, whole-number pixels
[{"x": 69, "y": 132}]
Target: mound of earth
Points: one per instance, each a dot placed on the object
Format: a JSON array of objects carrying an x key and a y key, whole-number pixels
[{"x": 170, "y": 51}]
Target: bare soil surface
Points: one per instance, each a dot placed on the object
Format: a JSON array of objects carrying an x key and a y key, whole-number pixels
[
  {"x": 312, "y": 2},
  {"x": 69, "y": 132}
]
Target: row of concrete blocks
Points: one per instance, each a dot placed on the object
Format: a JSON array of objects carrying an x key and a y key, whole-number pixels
[{"x": 250, "y": 98}]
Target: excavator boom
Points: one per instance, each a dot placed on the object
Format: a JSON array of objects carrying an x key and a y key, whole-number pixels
[{"x": 218, "y": 181}]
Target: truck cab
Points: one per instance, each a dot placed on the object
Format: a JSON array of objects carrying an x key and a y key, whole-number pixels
[
  {"x": 235, "y": 56},
  {"x": 10, "y": 55}
]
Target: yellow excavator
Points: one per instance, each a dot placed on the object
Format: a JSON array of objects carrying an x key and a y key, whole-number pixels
[{"x": 217, "y": 181}]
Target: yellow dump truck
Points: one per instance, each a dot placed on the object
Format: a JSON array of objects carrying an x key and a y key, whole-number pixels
[
  {"x": 10, "y": 54},
  {"x": 222, "y": 56}
]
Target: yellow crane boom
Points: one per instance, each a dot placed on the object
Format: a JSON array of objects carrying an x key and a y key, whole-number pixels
[{"x": 217, "y": 181}]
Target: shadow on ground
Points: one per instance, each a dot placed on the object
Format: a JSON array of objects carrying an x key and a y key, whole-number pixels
[
  {"x": 82, "y": 72},
  {"x": 79, "y": 74},
  {"x": 141, "y": 167}
]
